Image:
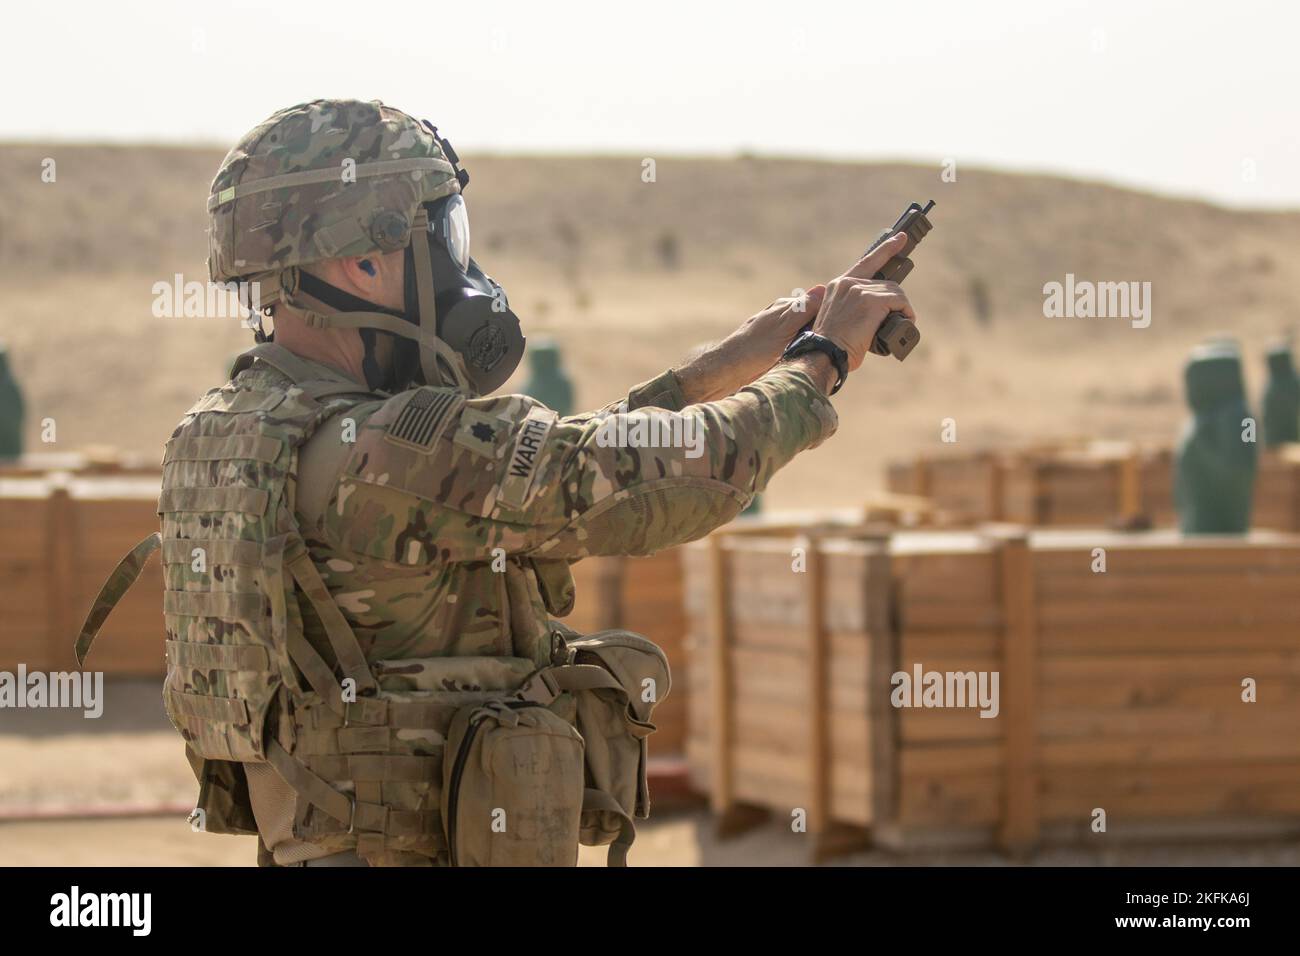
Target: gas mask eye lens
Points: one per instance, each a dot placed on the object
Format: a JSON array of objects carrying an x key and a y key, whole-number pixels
[{"x": 451, "y": 227}]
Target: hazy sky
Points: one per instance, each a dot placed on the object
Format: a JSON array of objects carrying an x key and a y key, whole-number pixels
[{"x": 1193, "y": 98}]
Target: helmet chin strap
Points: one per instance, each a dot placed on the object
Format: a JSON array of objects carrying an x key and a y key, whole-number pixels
[
  {"x": 440, "y": 363},
  {"x": 444, "y": 354},
  {"x": 421, "y": 261}
]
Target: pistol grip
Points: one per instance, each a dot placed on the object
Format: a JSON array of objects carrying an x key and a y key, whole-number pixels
[{"x": 897, "y": 336}]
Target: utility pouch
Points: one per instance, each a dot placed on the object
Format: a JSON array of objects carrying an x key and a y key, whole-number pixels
[
  {"x": 512, "y": 786},
  {"x": 615, "y": 678}
]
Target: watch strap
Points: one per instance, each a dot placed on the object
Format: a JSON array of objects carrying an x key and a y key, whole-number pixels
[{"x": 807, "y": 342}]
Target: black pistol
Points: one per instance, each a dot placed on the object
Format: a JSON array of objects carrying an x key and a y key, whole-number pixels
[{"x": 897, "y": 335}]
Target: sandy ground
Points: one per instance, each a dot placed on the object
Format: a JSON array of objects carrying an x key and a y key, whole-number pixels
[
  {"x": 681, "y": 839},
  {"x": 51, "y": 762}
]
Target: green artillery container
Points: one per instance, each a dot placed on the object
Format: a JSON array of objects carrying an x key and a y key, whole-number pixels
[
  {"x": 1281, "y": 398},
  {"x": 547, "y": 381},
  {"x": 11, "y": 410},
  {"x": 1214, "y": 469}
]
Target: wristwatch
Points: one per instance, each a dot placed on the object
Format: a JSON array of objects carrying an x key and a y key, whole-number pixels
[{"x": 806, "y": 342}]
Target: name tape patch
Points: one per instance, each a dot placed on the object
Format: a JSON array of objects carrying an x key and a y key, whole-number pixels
[{"x": 526, "y": 457}]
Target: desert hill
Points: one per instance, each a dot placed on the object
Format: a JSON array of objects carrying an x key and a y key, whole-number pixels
[{"x": 628, "y": 275}]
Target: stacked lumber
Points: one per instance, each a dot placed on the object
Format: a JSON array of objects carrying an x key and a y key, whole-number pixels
[
  {"x": 63, "y": 536},
  {"x": 792, "y": 712},
  {"x": 1080, "y": 485},
  {"x": 948, "y": 616},
  {"x": 1087, "y": 487},
  {"x": 644, "y": 595},
  {"x": 966, "y": 488},
  {"x": 1141, "y": 672},
  {"x": 1277, "y": 490},
  {"x": 93, "y": 460},
  {"x": 1119, "y": 690},
  {"x": 1156, "y": 487}
]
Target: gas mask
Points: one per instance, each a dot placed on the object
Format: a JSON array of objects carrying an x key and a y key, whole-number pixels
[
  {"x": 456, "y": 327},
  {"x": 473, "y": 313}
]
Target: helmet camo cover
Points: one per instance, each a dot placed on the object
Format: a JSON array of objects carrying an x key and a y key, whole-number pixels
[{"x": 325, "y": 179}]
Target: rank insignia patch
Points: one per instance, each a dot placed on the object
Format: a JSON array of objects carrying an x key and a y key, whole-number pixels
[{"x": 481, "y": 433}]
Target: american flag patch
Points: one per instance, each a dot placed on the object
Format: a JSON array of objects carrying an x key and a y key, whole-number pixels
[{"x": 420, "y": 422}]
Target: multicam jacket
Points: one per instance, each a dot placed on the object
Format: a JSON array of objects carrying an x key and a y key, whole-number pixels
[
  {"x": 442, "y": 528},
  {"x": 445, "y": 526}
]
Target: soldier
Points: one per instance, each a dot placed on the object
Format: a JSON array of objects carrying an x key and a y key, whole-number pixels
[{"x": 365, "y": 551}]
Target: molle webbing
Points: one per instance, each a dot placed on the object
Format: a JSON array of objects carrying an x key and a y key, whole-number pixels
[
  {"x": 373, "y": 819},
  {"x": 395, "y": 791},
  {"x": 251, "y": 501},
  {"x": 234, "y": 564},
  {"x": 218, "y": 657},
  {"x": 247, "y": 447},
  {"x": 222, "y": 605},
  {"x": 247, "y": 554}
]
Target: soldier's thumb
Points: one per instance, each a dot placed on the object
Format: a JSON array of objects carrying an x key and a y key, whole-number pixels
[{"x": 811, "y": 300}]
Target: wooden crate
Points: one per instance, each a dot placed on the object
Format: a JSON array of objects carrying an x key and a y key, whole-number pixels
[
  {"x": 646, "y": 595},
  {"x": 88, "y": 461},
  {"x": 63, "y": 536},
  {"x": 965, "y": 488},
  {"x": 1096, "y": 484},
  {"x": 1118, "y": 690},
  {"x": 643, "y": 595},
  {"x": 1277, "y": 490}
]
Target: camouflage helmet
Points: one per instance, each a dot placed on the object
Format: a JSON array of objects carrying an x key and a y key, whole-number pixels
[{"x": 323, "y": 180}]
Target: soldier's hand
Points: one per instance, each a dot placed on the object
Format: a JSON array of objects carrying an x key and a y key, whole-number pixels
[{"x": 856, "y": 304}]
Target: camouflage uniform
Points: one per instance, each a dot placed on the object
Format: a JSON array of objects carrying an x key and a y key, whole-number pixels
[
  {"x": 404, "y": 524},
  {"x": 415, "y": 544}
]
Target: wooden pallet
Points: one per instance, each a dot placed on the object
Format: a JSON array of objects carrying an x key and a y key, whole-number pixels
[
  {"x": 644, "y": 595},
  {"x": 1096, "y": 484},
  {"x": 1118, "y": 690},
  {"x": 64, "y": 535}
]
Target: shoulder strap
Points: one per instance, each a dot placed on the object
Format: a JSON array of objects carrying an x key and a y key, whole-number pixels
[
  {"x": 351, "y": 658},
  {"x": 316, "y": 380},
  {"x": 547, "y": 683},
  {"x": 118, "y": 583}
]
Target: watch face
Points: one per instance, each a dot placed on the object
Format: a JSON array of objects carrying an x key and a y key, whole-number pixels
[{"x": 802, "y": 342}]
